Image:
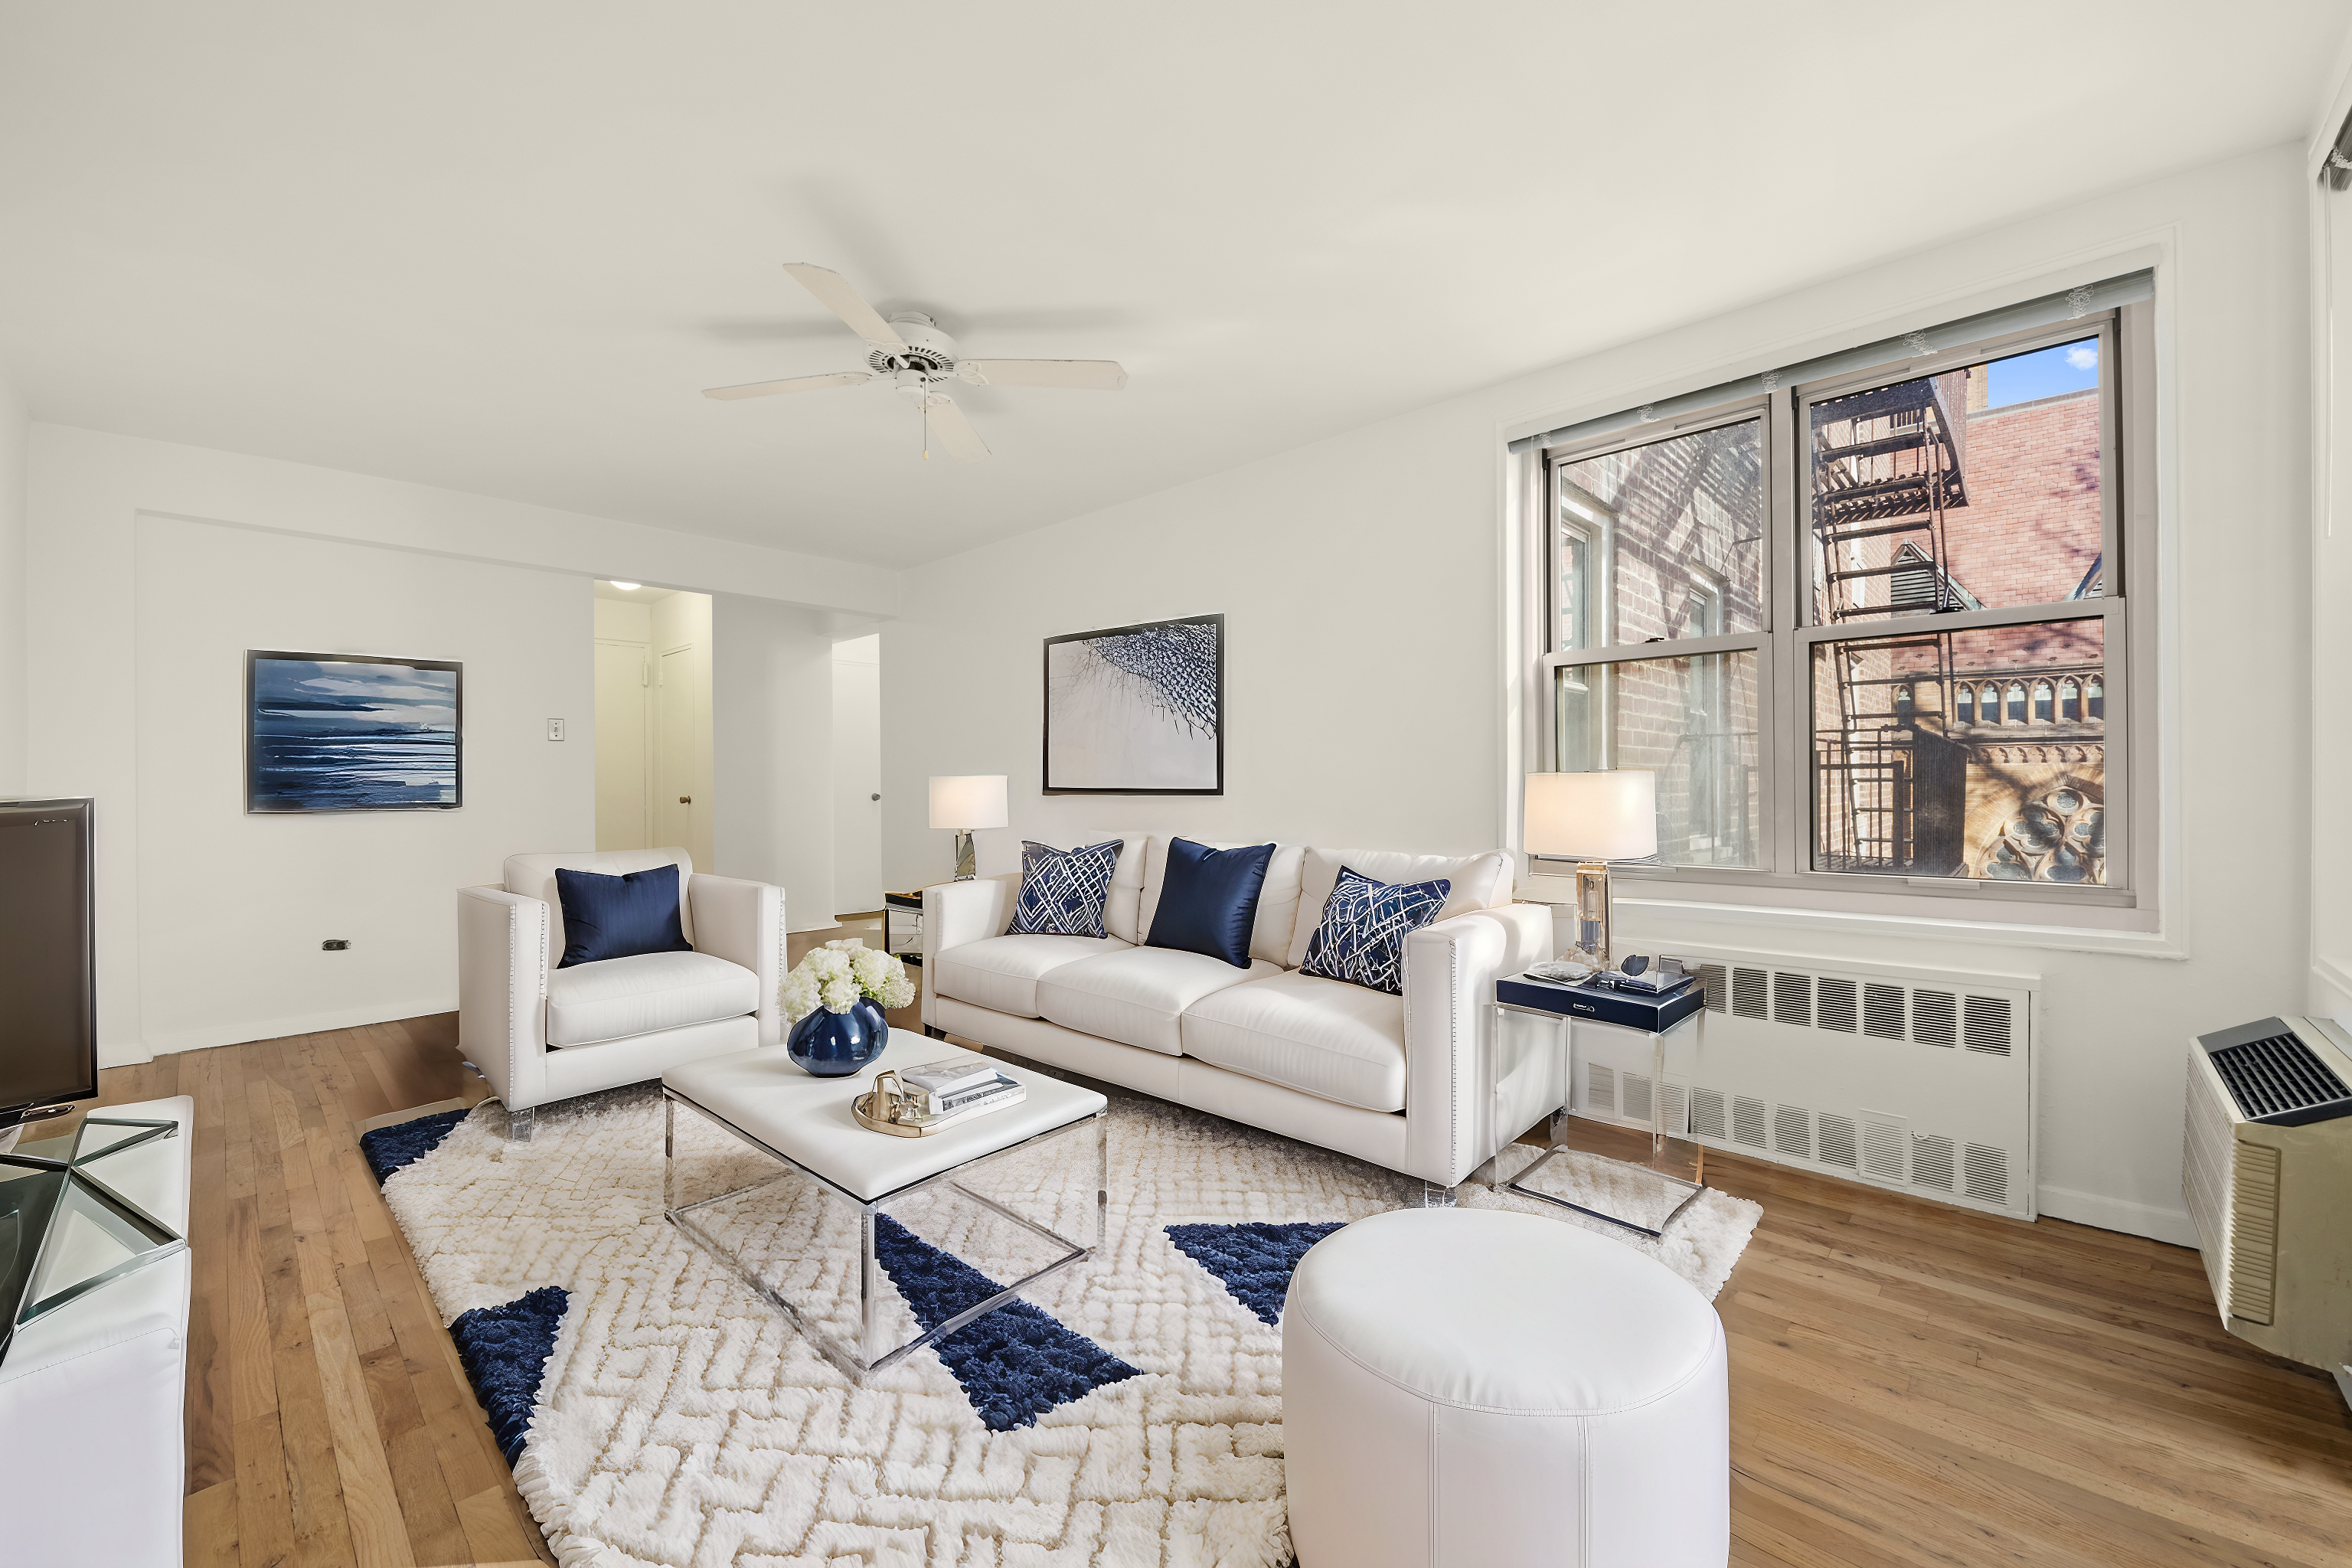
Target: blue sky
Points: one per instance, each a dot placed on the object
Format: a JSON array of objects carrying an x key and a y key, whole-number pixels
[{"x": 2045, "y": 373}]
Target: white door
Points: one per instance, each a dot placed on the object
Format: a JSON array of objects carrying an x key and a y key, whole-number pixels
[
  {"x": 857, "y": 784},
  {"x": 675, "y": 751},
  {"x": 624, "y": 750}
]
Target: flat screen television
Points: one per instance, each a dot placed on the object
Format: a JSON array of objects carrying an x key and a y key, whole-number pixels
[{"x": 48, "y": 1020}]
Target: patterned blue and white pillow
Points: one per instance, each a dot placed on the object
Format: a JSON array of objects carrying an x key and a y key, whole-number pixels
[
  {"x": 1063, "y": 890},
  {"x": 1361, "y": 937}
]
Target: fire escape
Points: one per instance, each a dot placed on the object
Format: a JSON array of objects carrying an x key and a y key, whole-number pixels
[{"x": 1886, "y": 469}]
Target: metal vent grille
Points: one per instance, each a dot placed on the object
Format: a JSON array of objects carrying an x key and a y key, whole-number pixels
[
  {"x": 1711, "y": 985},
  {"x": 1674, "y": 1109},
  {"x": 1600, "y": 1088},
  {"x": 1748, "y": 993},
  {"x": 1834, "y": 1006},
  {"x": 1984, "y": 1173},
  {"x": 1931, "y": 1162},
  {"x": 2272, "y": 1077},
  {"x": 1984, "y": 1025},
  {"x": 1792, "y": 1132},
  {"x": 1792, "y": 999},
  {"x": 1707, "y": 1114},
  {"x": 1748, "y": 1122},
  {"x": 1634, "y": 1087},
  {"x": 1882, "y": 1144},
  {"x": 1882, "y": 1012},
  {"x": 1935, "y": 1019},
  {"x": 1837, "y": 1140}
]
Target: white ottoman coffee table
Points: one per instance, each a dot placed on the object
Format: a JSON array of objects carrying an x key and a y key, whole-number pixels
[
  {"x": 1469, "y": 1388},
  {"x": 805, "y": 1122}
]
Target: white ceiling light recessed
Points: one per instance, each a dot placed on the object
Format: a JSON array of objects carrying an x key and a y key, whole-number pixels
[{"x": 630, "y": 587}]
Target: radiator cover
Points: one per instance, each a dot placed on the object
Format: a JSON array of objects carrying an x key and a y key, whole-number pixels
[{"x": 1917, "y": 1081}]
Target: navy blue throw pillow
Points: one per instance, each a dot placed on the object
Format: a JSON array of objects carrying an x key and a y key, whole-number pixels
[
  {"x": 1063, "y": 891},
  {"x": 1208, "y": 900},
  {"x": 618, "y": 917},
  {"x": 1360, "y": 939}
]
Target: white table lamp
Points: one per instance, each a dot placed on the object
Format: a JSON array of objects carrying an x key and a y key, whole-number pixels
[
  {"x": 965, "y": 803},
  {"x": 1592, "y": 818}
]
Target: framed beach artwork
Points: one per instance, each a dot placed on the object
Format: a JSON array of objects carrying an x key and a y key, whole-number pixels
[
  {"x": 1137, "y": 709},
  {"x": 349, "y": 733}
]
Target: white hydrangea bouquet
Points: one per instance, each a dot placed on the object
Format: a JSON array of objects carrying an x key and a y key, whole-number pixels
[{"x": 836, "y": 975}]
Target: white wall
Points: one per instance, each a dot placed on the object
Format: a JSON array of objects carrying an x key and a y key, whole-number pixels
[
  {"x": 1364, "y": 581},
  {"x": 772, "y": 715},
  {"x": 12, "y": 588},
  {"x": 232, "y": 907},
  {"x": 2330, "y": 988},
  {"x": 86, "y": 495},
  {"x": 856, "y": 774}
]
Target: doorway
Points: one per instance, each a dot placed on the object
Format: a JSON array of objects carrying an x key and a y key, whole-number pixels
[{"x": 653, "y": 719}]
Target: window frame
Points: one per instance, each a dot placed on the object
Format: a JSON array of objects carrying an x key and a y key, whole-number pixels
[{"x": 1786, "y": 641}]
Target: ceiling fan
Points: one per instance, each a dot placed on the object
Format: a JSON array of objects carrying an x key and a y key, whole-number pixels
[{"x": 910, "y": 353}]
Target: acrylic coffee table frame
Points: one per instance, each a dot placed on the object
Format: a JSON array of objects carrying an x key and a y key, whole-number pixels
[
  {"x": 872, "y": 1294},
  {"x": 1690, "y": 1190}
]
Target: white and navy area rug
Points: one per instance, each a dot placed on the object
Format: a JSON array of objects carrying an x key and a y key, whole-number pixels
[{"x": 658, "y": 1411}]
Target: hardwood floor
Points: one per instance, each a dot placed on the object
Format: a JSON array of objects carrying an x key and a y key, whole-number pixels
[{"x": 1911, "y": 1383}]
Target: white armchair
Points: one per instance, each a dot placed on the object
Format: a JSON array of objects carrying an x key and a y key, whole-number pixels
[{"x": 540, "y": 1032}]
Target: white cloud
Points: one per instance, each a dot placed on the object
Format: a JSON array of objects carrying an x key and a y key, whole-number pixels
[{"x": 2083, "y": 356}]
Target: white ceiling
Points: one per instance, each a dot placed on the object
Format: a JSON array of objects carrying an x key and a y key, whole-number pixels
[{"x": 500, "y": 247}]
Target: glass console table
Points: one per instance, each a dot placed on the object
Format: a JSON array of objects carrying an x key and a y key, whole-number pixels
[{"x": 65, "y": 1229}]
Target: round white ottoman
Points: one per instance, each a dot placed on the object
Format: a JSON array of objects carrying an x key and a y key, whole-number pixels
[{"x": 1472, "y": 1389}]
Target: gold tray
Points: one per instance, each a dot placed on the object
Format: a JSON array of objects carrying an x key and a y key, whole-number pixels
[{"x": 919, "y": 1127}]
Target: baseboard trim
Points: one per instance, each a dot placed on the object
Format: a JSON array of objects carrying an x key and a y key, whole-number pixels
[
  {"x": 309, "y": 1023},
  {"x": 2118, "y": 1214}
]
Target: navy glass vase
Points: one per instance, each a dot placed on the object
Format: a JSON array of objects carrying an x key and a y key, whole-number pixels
[{"x": 834, "y": 1044}]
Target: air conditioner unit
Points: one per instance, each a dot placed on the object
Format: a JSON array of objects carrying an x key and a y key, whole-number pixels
[{"x": 2266, "y": 1168}]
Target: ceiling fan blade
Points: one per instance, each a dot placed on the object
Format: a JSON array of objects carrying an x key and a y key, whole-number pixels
[
  {"x": 956, "y": 434},
  {"x": 834, "y": 292},
  {"x": 790, "y": 383},
  {"x": 1085, "y": 375}
]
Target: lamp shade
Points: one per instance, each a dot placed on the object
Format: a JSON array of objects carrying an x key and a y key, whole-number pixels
[
  {"x": 967, "y": 801},
  {"x": 1592, "y": 816}
]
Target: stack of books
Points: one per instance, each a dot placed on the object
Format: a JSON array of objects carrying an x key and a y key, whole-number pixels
[{"x": 945, "y": 1091}]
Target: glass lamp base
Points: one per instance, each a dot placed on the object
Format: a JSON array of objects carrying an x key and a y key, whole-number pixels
[
  {"x": 1590, "y": 943},
  {"x": 965, "y": 857}
]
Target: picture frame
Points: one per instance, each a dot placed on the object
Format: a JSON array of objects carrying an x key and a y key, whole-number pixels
[
  {"x": 340, "y": 732},
  {"x": 1137, "y": 709}
]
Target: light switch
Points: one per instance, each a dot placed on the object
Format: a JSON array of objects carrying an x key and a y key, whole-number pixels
[{"x": 555, "y": 728}]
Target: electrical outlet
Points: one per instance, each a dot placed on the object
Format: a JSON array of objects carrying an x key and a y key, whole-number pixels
[
  {"x": 335, "y": 944},
  {"x": 555, "y": 728}
]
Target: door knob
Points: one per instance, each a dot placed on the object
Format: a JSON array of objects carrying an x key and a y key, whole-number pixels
[
  {"x": 877, "y": 795},
  {"x": 686, "y": 800}
]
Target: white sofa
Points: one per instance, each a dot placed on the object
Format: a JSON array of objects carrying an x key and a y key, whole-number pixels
[
  {"x": 540, "y": 1033},
  {"x": 93, "y": 1451},
  {"x": 1419, "y": 1083}
]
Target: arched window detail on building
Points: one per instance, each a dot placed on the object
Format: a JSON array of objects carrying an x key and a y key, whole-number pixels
[
  {"x": 2016, "y": 714},
  {"x": 2095, "y": 696},
  {"x": 2044, "y": 708},
  {"x": 1964, "y": 704},
  {"x": 2070, "y": 700}
]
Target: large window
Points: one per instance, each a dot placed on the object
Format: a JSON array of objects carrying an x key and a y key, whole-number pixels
[{"x": 1865, "y": 627}]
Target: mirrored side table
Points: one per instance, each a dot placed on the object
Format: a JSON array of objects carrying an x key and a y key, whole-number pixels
[{"x": 64, "y": 1229}]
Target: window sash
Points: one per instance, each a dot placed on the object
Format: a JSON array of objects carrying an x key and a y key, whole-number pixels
[{"x": 1785, "y": 646}]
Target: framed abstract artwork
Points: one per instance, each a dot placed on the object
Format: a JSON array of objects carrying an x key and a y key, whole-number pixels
[
  {"x": 1137, "y": 709},
  {"x": 349, "y": 733}
]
